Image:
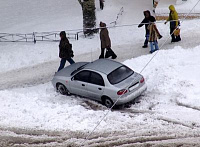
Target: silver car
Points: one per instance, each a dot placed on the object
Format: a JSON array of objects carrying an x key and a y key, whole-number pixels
[{"x": 103, "y": 80}]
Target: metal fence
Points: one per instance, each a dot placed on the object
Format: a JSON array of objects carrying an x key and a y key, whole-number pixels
[
  {"x": 121, "y": 11},
  {"x": 47, "y": 36},
  {"x": 36, "y": 36}
]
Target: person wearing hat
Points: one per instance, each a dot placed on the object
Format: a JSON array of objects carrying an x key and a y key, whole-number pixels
[
  {"x": 145, "y": 22},
  {"x": 174, "y": 23},
  {"x": 65, "y": 51},
  {"x": 105, "y": 42}
]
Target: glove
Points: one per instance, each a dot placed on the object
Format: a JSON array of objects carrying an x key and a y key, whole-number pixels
[{"x": 160, "y": 36}]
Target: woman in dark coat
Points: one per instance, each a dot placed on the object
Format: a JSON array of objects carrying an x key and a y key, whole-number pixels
[
  {"x": 65, "y": 51},
  {"x": 105, "y": 42}
]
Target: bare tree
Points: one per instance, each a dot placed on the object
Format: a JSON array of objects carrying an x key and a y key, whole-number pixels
[{"x": 89, "y": 16}]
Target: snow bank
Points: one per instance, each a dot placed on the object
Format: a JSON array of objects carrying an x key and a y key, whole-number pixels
[{"x": 172, "y": 78}]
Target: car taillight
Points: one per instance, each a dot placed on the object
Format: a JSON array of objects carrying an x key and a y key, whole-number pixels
[
  {"x": 121, "y": 92},
  {"x": 142, "y": 80}
]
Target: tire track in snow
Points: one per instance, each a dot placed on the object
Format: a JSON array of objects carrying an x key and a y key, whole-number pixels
[
  {"x": 187, "y": 105},
  {"x": 129, "y": 140},
  {"x": 41, "y": 138},
  {"x": 169, "y": 120}
]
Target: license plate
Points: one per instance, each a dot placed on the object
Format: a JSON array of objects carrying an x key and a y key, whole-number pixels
[{"x": 133, "y": 87}]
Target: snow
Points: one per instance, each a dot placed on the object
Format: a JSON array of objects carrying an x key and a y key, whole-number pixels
[
  {"x": 171, "y": 105},
  {"x": 172, "y": 76},
  {"x": 39, "y": 17},
  {"x": 27, "y": 16},
  {"x": 181, "y": 6}
]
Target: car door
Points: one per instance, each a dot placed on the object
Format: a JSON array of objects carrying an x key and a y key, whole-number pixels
[
  {"x": 79, "y": 82},
  {"x": 95, "y": 86}
]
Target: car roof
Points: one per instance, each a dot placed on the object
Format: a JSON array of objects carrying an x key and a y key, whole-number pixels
[{"x": 105, "y": 66}]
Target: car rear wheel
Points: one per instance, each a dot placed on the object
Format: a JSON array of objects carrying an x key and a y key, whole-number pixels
[
  {"x": 62, "y": 89},
  {"x": 107, "y": 102}
]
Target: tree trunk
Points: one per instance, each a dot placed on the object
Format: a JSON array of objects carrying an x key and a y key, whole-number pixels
[{"x": 89, "y": 16}]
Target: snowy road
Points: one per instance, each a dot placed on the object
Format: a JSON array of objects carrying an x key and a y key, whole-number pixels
[
  {"x": 33, "y": 114},
  {"x": 156, "y": 120},
  {"x": 43, "y": 73},
  {"x": 29, "y": 138}
]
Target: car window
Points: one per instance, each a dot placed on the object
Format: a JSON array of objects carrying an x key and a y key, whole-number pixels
[
  {"x": 82, "y": 76},
  {"x": 96, "y": 79},
  {"x": 119, "y": 74},
  {"x": 78, "y": 69}
]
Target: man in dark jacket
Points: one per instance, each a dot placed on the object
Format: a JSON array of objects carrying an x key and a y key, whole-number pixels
[
  {"x": 101, "y": 4},
  {"x": 146, "y": 22},
  {"x": 65, "y": 51},
  {"x": 105, "y": 42}
]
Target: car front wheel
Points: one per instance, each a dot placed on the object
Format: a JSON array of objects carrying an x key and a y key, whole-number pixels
[
  {"x": 62, "y": 89},
  {"x": 108, "y": 102}
]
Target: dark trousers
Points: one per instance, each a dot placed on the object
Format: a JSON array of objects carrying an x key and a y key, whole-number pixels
[
  {"x": 174, "y": 38},
  {"x": 109, "y": 53},
  {"x": 63, "y": 61},
  {"x": 101, "y": 4},
  {"x": 146, "y": 40}
]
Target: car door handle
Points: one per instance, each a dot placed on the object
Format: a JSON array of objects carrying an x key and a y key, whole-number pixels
[
  {"x": 100, "y": 88},
  {"x": 83, "y": 84}
]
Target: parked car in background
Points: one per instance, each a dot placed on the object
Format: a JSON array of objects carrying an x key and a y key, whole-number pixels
[{"x": 103, "y": 80}]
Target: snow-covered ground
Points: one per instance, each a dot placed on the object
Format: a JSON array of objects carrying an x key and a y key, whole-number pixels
[
  {"x": 170, "y": 105},
  {"x": 181, "y": 6},
  {"x": 170, "y": 108},
  {"x": 43, "y": 19},
  {"x": 171, "y": 77}
]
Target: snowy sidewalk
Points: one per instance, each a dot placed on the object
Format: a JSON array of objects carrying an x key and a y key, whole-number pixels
[{"x": 44, "y": 72}]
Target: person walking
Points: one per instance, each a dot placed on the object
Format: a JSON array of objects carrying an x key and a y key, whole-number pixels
[
  {"x": 145, "y": 22},
  {"x": 174, "y": 23},
  {"x": 153, "y": 35},
  {"x": 105, "y": 42},
  {"x": 101, "y": 4},
  {"x": 65, "y": 51}
]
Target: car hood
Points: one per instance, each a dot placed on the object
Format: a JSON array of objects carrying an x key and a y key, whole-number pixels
[{"x": 69, "y": 69}]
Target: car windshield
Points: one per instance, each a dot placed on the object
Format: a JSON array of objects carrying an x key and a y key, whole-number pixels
[
  {"x": 119, "y": 74},
  {"x": 78, "y": 69}
]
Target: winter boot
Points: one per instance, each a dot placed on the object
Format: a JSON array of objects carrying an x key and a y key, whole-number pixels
[
  {"x": 173, "y": 38},
  {"x": 114, "y": 56},
  {"x": 178, "y": 38},
  {"x": 144, "y": 46}
]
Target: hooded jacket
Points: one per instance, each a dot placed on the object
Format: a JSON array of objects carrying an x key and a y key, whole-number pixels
[
  {"x": 65, "y": 49},
  {"x": 173, "y": 15},
  {"x": 104, "y": 36},
  {"x": 145, "y": 21}
]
